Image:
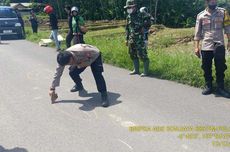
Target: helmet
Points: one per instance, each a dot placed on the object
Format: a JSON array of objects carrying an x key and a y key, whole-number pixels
[
  {"x": 130, "y": 3},
  {"x": 74, "y": 9},
  {"x": 143, "y": 10},
  {"x": 48, "y": 9}
]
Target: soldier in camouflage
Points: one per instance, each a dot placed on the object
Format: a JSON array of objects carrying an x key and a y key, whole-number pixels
[
  {"x": 134, "y": 38},
  {"x": 147, "y": 23}
]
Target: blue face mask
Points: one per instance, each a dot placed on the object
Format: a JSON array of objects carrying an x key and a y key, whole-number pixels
[{"x": 212, "y": 6}]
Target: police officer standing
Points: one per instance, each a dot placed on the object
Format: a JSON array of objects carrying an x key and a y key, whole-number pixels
[
  {"x": 209, "y": 28},
  {"x": 134, "y": 38}
]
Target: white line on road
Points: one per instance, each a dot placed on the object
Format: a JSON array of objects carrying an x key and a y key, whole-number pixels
[
  {"x": 130, "y": 147},
  {"x": 37, "y": 98},
  {"x": 123, "y": 123},
  {"x": 69, "y": 115}
]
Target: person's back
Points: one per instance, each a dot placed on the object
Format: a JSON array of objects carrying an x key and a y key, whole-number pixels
[{"x": 53, "y": 21}]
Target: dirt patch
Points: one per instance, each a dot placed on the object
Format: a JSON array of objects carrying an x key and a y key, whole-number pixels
[{"x": 184, "y": 39}]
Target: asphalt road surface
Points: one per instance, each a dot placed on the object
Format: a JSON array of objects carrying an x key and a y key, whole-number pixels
[{"x": 169, "y": 117}]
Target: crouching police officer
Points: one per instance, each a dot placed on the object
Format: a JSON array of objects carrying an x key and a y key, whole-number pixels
[
  {"x": 134, "y": 38},
  {"x": 79, "y": 57},
  {"x": 209, "y": 27}
]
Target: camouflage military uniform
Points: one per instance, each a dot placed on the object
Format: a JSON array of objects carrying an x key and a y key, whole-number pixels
[
  {"x": 147, "y": 23},
  {"x": 134, "y": 36}
]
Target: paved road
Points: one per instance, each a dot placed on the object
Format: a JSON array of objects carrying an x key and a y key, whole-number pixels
[{"x": 78, "y": 124}]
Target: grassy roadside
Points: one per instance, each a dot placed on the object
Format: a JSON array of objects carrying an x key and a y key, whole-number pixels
[{"x": 170, "y": 52}]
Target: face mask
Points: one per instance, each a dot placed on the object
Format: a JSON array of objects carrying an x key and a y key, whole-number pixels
[
  {"x": 212, "y": 6},
  {"x": 129, "y": 10}
]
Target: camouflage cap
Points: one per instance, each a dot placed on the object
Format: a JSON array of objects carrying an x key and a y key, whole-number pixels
[{"x": 130, "y": 3}]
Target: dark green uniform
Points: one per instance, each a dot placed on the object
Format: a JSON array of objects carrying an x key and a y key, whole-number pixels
[
  {"x": 135, "y": 39},
  {"x": 135, "y": 35}
]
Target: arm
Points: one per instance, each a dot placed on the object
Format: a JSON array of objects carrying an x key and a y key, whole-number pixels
[
  {"x": 227, "y": 27},
  {"x": 82, "y": 26},
  {"x": 228, "y": 46},
  {"x": 56, "y": 81},
  {"x": 127, "y": 32},
  {"x": 198, "y": 36},
  {"x": 197, "y": 48},
  {"x": 70, "y": 24}
]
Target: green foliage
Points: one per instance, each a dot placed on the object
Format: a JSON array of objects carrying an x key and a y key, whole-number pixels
[
  {"x": 171, "y": 13},
  {"x": 172, "y": 61},
  {"x": 5, "y": 2}
]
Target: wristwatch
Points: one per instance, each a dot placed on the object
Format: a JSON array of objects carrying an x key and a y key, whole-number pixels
[{"x": 52, "y": 89}]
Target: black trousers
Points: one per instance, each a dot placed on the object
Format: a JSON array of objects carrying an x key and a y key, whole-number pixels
[
  {"x": 220, "y": 64},
  {"x": 35, "y": 28},
  {"x": 96, "y": 68},
  {"x": 69, "y": 38},
  {"x": 76, "y": 39}
]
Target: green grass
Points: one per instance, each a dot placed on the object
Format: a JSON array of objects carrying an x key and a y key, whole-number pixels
[{"x": 169, "y": 58}]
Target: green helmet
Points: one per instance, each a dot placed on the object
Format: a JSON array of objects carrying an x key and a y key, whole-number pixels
[{"x": 130, "y": 3}]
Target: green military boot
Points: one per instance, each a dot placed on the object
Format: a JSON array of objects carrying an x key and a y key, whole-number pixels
[
  {"x": 146, "y": 69},
  {"x": 136, "y": 67}
]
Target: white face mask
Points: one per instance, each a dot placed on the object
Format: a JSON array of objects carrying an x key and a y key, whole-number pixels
[{"x": 130, "y": 10}]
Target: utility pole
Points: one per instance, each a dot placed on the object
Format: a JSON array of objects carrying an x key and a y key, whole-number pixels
[{"x": 156, "y": 7}]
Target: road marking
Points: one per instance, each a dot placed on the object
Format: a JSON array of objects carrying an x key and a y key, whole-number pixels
[
  {"x": 37, "y": 98},
  {"x": 36, "y": 88},
  {"x": 130, "y": 147},
  {"x": 184, "y": 146},
  {"x": 96, "y": 116},
  {"x": 87, "y": 114},
  {"x": 125, "y": 124},
  {"x": 68, "y": 115}
]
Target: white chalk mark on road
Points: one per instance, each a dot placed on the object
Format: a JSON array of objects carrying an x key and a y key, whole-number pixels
[{"x": 130, "y": 147}]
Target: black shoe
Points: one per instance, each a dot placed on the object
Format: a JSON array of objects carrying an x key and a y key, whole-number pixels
[
  {"x": 76, "y": 88},
  {"x": 134, "y": 72},
  {"x": 207, "y": 90},
  {"x": 222, "y": 92},
  {"x": 144, "y": 75},
  {"x": 58, "y": 50},
  {"x": 104, "y": 100}
]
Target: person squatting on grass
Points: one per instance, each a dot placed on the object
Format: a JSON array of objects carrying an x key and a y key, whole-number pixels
[
  {"x": 77, "y": 27},
  {"x": 79, "y": 57},
  {"x": 209, "y": 28},
  {"x": 53, "y": 22},
  {"x": 134, "y": 38}
]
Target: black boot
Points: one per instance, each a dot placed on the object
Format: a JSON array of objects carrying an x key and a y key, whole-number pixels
[
  {"x": 104, "y": 99},
  {"x": 221, "y": 91},
  {"x": 77, "y": 88},
  {"x": 136, "y": 67},
  {"x": 208, "y": 89}
]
